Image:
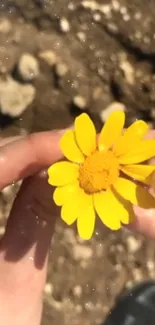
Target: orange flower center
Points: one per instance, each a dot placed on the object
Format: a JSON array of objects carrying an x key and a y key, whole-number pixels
[{"x": 98, "y": 172}]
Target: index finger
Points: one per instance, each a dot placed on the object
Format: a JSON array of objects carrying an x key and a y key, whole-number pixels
[{"x": 26, "y": 156}]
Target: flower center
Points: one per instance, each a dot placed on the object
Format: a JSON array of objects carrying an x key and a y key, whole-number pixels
[{"x": 98, "y": 172}]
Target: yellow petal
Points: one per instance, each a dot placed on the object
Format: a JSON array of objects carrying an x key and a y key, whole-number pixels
[
  {"x": 111, "y": 130},
  {"x": 86, "y": 217},
  {"x": 141, "y": 173},
  {"x": 85, "y": 134},
  {"x": 65, "y": 193},
  {"x": 133, "y": 134},
  {"x": 111, "y": 210},
  {"x": 134, "y": 193},
  {"x": 144, "y": 150},
  {"x": 62, "y": 173},
  {"x": 70, "y": 209},
  {"x": 70, "y": 148}
]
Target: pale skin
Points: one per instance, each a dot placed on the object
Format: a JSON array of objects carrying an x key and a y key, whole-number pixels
[{"x": 25, "y": 245}]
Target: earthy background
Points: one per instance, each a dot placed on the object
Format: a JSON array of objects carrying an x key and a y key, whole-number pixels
[{"x": 57, "y": 59}]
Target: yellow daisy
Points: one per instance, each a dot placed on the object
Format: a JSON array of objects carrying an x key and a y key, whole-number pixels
[{"x": 99, "y": 176}]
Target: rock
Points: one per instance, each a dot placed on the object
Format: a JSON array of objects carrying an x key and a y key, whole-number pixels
[
  {"x": 82, "y": 252},
  {"x": 81, "y": 36},
  {"x": 69, "y": 236},
  {"x": 61, "y": 69},
  {"x": 2, "y": 231},
  {"x": 77, "y": 291},
  {"x": 80, "y": 102},
  {"x": 48, "y": 288},
  {"x": 128, "y": 70},
  {"x": 150, "y": 265},
  {"x": 133, "y": 244},
  {"x": 115, "y": 106},
  {"x": 5, "y": 26},
  {"x": 28, "y": 67},
  {"x": 64, "y": 25},
  {"x": 14, "y": 97},
  {"x": 138, "y": 275},
  {"x": 49, "y": 57}
]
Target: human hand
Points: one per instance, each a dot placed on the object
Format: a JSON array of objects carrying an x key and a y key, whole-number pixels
[{"x": 24, "y": 247}]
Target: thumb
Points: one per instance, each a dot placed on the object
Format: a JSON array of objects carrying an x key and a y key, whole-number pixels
[{"x": 24, "y": 251}]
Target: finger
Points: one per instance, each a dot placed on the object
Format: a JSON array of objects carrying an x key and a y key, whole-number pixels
[
  {"x": 5, "y": 141},
  {"x": 28, "y": 155},
  {"x": 144, "y": 222},
  {"x": 24, "y": 252},
  {"x": 150, "y": 134}
]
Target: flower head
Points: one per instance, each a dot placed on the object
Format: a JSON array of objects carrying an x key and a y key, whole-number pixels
[{"x": 99, "y": 175}]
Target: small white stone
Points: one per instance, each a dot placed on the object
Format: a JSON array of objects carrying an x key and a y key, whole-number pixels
[
  {"x": 81, "y": 36},
  {"x": 105, "y": 9},
  {"x": 129, "y": 284},
  {"x": 82, "y": 252},
  {"x": 138, "y": 275},
  {"x": 80, "y": 102},
  {"x": 61, "y": 69},
  {"x": 48, "y": 288},
  {"x": 126, "y": 17},
  {"x": 49, "y": 57},
  {"x": 97, "y": 17},
  {"x": 89, "y": 306},
  {"x": 71, "y": 6},
  {"x": 5, "y": 26},
  {"x": 92, "y": 5},
  {"x": 64, "y": 25},
  {"x": 115, "y": 5},
  {"x": 133, "y": 244},
  {"x": 123, "y": 10},
  {"x": 150, "y": 265},
  {"x": 14, "y": 97},
  {"x": 77, "y": 291},
  {"x": 28, "y": 67},
  {"x": 2, "y": 231},
  {"x": 115, "y": 106},
  {"x": 7, "y": 192},
  {"x": 78, "y": 309},
  {"x": 69, "y": 236}
]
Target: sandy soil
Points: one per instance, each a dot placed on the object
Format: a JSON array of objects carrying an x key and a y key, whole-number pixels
[{"x": 92, "y": 56}]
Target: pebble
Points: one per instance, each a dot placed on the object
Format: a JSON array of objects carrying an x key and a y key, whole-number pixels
[
  {"x": 138, "y": 275},
  {"x": 49, "y": 57},
  {"x": 78, "y": 309},
  {"x": 128, "y": 71},
  {"x": 5, "y": 26},
  {"x": 77, "y": 291},
  {"x": 129, "y": 284},
  {"x": 81, "y": 36},
  {"x": 97, "y": 17},
  {"x": 28, "y": 67},
  {"x": 48, "y": 288},
  {"x": 82, "y": 252},
  {"x": 114, "y": 106},
  {"x": 150, "y": 265},
  {"x": 80, "y": 102},
  {"x": 2, "y": 231},
  {"x": 61, "y": 69},
  {"x": 69, "y": 236},
  {"x": 133, "y": 244},
  {"x": 64, "y": 25},
  {"x": 7, "y": 193},
  {"x": 15, "y": 97}
]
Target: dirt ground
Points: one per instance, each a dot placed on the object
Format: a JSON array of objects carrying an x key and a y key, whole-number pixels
[{"x": 79, "y": 55}]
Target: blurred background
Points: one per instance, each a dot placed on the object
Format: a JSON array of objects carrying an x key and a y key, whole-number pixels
[{"x": 59, "y": 58}]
